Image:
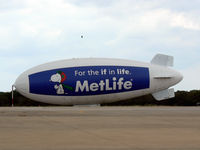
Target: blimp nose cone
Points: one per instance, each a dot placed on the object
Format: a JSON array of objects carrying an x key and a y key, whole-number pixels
[{"x": 22, "y": 83}]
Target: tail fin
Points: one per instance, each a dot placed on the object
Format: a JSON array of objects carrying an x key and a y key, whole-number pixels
[
  {"x": 164, "y": 94},
  {"x": 163, "y": 60}
]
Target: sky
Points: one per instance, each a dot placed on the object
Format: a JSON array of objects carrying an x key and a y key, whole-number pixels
[{"x": 33, "y": 32}]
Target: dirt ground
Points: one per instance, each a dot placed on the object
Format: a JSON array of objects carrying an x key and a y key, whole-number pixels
[{"x": 100, "y": 128}]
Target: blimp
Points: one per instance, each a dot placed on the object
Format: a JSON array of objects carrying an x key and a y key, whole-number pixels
[{"x": 85, "y": 81}]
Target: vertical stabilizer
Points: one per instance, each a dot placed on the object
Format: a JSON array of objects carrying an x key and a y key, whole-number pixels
[
  {"x": 163, "y": 60},
  {"x": 164, "y": 94}
]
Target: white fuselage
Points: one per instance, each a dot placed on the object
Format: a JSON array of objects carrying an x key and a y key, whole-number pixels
[{"x": 102, "y": 89}]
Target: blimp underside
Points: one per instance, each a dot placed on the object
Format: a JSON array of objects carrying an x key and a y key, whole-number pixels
[{"x": 98, "y": 80}]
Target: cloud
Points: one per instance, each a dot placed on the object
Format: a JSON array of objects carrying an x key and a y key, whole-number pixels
[
  {"x": 37, "y": 31},
  {"x": 181, "y": 20}
]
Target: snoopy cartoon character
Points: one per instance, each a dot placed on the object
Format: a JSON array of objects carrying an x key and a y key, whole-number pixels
[{"x": 59, "y": 78}]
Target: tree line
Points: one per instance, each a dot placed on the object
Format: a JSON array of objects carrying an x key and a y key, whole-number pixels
[{"x": 182, "y": 98}]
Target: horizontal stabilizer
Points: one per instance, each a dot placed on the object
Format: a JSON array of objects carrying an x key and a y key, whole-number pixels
[
  {"x": 164, "y": 94},
  {"x": 163, "y": 60},
  {"x": 162, "y": 75}
]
